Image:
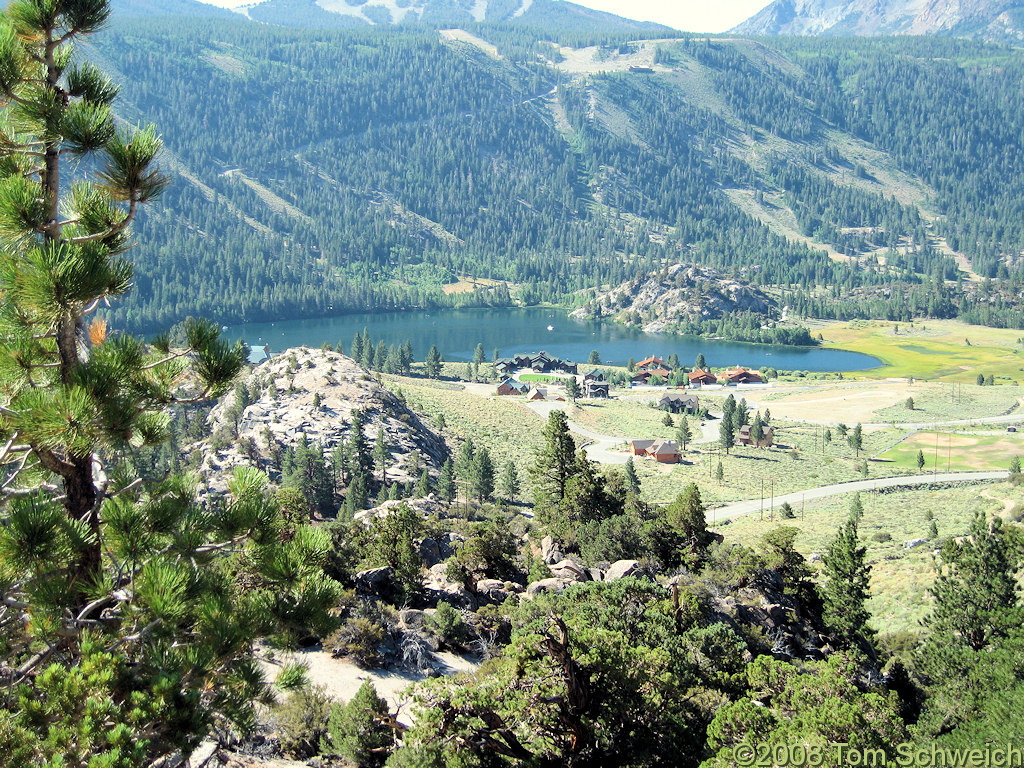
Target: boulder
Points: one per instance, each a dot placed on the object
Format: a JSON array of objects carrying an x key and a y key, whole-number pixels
[
  {"x": 377, "y": 582},
  {"x": 911, "y": 543},
  {"x": 622, "y": 568},
  {"x": 430, "y": 552},
  {"x": 411, "y": 619},
  {"x": 550, "y": 551},
  {"x": 545, "y": 586},
  {"x": 437, "y": 588},
  {"x": 568, "y": 570}
]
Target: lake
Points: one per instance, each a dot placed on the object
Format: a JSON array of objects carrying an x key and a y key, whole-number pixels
[{"x": 456, "y": 332}]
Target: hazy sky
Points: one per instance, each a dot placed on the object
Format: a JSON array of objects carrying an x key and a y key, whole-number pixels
[{"x": 689, "y": 15}]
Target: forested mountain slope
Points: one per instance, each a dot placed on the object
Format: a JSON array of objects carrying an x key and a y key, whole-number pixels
[{"x": 326, "y": 171}]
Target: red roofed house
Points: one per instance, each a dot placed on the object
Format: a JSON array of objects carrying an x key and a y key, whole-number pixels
[
  {"x": 650, "y": 363},
  {"x": 740, "y": 375},
  {"x": 699, "y": 377},
  {"x": 645, "y": 376},
  {"x": 665, "y": 451}
]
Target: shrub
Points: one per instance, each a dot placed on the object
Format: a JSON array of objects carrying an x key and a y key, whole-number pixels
[
  {"x": 446, "y": 625},
  {"x": 359, "y": 638},
  {"x": 786, "y": 511},
  {"x": 881, "y": 537},
  {"x": 359, "y": 730},
  {"x": 301, "y": 721}
]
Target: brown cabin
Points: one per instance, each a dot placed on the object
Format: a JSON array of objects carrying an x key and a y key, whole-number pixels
[
  {"x": 699, "y": 377},
  {"x": 664, "y": 451},
  {"x": 740, "y": 375},
  {"x": 767, "y": 437}
]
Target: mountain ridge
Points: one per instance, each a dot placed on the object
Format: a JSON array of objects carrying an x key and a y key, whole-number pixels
[
  {"x": 342, "y": 14},
  {"x": 990, "y": 20}
]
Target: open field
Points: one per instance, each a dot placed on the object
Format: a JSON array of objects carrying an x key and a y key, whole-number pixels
[
  {"x": 900, "y": 577},
  {"x": 849, "y": 403},
  {"x": 954, "y": 452},
  {"x": 949, "y": 402},
  {"x": 946, "y": 350},
  {"x": 853, "y": 402}
]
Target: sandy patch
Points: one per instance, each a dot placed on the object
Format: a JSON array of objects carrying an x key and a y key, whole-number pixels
[{"x": 342, "y": 678}]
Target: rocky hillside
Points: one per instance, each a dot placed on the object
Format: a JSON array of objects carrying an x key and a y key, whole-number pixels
[
  {"x": 313, "y": 394},
  {"x": 985, "y": 19},
  {"x": 682, "y": 293}
]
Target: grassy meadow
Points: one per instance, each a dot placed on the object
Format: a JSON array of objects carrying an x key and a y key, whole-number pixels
[{"x": 943, "y": 350}]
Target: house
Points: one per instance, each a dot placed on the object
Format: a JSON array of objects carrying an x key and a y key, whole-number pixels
[
  {"x": 699, "y": 377},
  {"x": 540, "y": 362},
  {"x": 594, "y": 388},
  {"x": 644, "y": 377},
  {"x": 537, "y": 394},
  {"x": 513, "y": 387},
  {"x": 664, "y": 451},
  {"x": 744, "y": 438},
  {"x": 676, "y": 403},
  {"x": 506, "y": 366},
  {"x": 594, "y": 376},
  {"x": 739, "y": 375},
  {"x": 638, "y": 69},
  {"x": 650, "y": 363}
]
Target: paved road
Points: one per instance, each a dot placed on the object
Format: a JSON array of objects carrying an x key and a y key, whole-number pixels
[{"x": 736, "y": 508}]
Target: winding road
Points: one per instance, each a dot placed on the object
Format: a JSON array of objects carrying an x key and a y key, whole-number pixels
[{"x": 737, "y": 508}]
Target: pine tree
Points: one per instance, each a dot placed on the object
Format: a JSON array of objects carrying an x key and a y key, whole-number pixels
[
  {"x": 464, "y": 460},
  {"x": 632, "y": 480},
  {"x": 482, "y": 475},
  {"x": 554, "y": 460},
  {"x": 720, "y": 472},
  {"x": 757, "y": 430},
  {"x": 509, "y": 481},
  {"x": 479, "y": 356},
  {"x": 356, "y": 348},
  {"x": 405, "y": 357},
  {"x": 359, "y": 730},
  {"x": 684, "y": 432},
  {"x": 594, "y": 358},
  {"x": 423, "y": 485},
  {"x": 847, "y": 578},
  {"x": 667, "y": 420},
  {"x": 131, "y": 637},
  {"x": 700, "y": 362},
  {"x": 726, "y": 431},
  {"x": 976, "y": 592},
  {"x": 446, "y": 483},
  {"x": 856, "y": 439},
  {"x": 920, "y": 460},
  {"x": 432, "y": 364},
  {"x": 572, "y": 389}
]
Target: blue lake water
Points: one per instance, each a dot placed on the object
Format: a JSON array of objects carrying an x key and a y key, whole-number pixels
[{"x": 456, "y": 332}]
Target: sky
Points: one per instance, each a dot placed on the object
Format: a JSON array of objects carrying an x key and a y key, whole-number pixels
[{"x": 688, "y": 15}]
